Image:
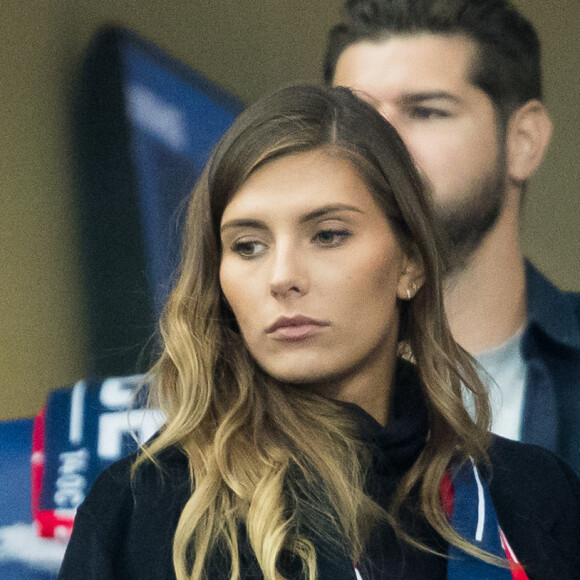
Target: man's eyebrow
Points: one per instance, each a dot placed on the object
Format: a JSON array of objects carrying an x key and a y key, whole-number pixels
[
  {"x": 311, "y": 215},
  {"x": 422, "y": 96}
]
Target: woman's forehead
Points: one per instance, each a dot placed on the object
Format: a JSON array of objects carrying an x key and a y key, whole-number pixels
[{"x": 305, "y": 183}]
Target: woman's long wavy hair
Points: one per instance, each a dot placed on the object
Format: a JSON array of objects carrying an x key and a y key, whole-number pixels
[{"x": 278, "y": 461}]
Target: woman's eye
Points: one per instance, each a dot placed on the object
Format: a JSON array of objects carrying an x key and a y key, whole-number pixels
[
  {"x": 331, "y": 237},
  {"x": 248, "y": 249}
]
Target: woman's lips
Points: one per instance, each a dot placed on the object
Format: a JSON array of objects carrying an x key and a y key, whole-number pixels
[{"x": 295, "y": 328}]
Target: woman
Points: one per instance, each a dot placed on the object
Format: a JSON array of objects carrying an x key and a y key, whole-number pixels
[{"x": 313, "y": 392}]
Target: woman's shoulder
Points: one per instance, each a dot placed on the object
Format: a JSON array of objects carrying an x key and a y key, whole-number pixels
[
  {"x": 537, "y": 498},
  {"x": 529, "y": 475},
  {"x": 121, "y": 498},
  {"x": 125, "y": 526},
  {"x": 514, "y": 463},
  {"x": 120, "y": 482}
]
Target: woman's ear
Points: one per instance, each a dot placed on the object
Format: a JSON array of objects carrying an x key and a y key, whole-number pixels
[
  {"x": 528, "y": 135},
  {"x": 411, "y": 277}
]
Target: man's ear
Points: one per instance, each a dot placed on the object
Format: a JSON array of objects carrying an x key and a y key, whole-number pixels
[
  {"x": 411, "y": 277},
  {"x": 528, "y": 135}
]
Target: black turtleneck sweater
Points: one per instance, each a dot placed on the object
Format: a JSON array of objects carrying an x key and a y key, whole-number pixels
[{"x": 125, "y": 532}]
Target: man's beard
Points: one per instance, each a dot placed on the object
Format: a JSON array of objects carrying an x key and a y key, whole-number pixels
[{"x": 466, "y": 222}]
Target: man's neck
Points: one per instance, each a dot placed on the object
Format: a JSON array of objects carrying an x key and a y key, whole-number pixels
[{"x": 486, "y": 300}]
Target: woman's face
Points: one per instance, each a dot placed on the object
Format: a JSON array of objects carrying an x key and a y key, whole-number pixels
[{"x": 312, "y": 272}]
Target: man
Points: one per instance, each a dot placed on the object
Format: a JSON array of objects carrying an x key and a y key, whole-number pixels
[{"x": 461, "y": 81}]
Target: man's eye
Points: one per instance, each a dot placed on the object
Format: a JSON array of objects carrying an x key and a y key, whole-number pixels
[
  {"x": 247, "y": 249},
  {"x": 428, "y": 113},
  {"x": 331, "y": 237}
]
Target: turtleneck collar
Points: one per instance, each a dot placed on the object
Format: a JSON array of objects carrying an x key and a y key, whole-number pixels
[{"x": 397, "y": 445}]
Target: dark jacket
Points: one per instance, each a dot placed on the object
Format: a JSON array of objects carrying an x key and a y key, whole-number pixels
[
  {"x": 551, "y": 351},
  {"x": 125, "y": 531}
]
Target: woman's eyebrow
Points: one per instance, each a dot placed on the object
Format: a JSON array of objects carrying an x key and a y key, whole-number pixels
[
  {"x": 243, "y": 223},
  {"x": 311, "y": 215},
  {"x": 330, "y": 209}
]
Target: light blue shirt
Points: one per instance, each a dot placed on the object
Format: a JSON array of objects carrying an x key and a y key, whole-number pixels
[{"x": 505, "y": 379}]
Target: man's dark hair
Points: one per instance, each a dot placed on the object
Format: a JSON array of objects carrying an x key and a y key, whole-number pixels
[{"x": 508, "y": 66}]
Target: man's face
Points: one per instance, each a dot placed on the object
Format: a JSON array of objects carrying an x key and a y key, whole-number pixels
[{"x": 422, "y": 85}]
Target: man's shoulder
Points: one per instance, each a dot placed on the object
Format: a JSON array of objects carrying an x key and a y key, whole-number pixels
[
  {"x": 540, "y": 287},
  {"x": 554, "y": 311}
]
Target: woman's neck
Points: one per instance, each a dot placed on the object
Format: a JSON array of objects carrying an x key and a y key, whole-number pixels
[{"x": 370, "y": 389}]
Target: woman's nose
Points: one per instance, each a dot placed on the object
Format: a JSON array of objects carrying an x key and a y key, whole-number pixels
[{"x": 288, "y": 277}]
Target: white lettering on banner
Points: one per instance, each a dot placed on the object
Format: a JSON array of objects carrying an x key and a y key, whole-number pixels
[
  {"x": 77, "y": 413},
  {"x": 71, "y": 484},
  {"x": 117, "y": 393},
  {"x": 141, "y": 423}
]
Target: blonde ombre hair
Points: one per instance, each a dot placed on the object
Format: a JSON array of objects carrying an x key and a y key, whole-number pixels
[{"x": 282, "y": 461}]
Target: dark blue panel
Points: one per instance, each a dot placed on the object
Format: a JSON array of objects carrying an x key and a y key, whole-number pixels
[
  {"x": 15, "y": 451},
  {"x": 175, "y": 118}
]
